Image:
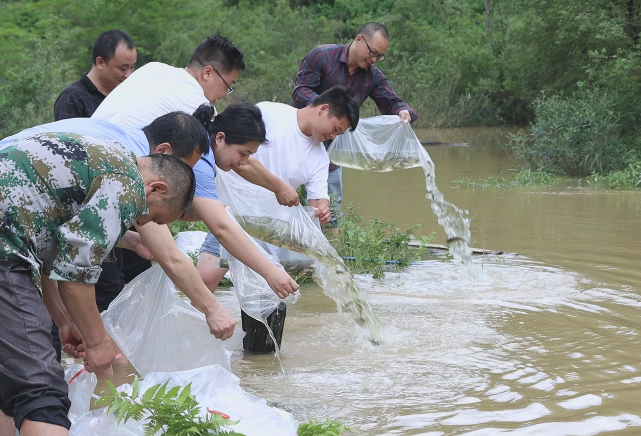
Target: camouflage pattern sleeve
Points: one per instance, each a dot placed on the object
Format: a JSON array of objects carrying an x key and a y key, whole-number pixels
[
  {"x": 65, "y": 201},
  {"x": 112, "y": 205}
]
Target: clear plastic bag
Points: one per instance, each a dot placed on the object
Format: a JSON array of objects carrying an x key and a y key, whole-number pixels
[
  {"x": 189, "y": 242},
  {"x": 81, "y": 387},
  {"x": 385, "y": 143},
  {"x": 159, "y": 331},
  {"x": 382, "y": 143},
  {"x": 255, "y": 296},
  {"x": 259, "y": 214}
]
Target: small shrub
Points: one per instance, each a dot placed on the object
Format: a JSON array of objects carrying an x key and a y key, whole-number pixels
[
  {"x": 327, "y": 428},
  {"x": 575, "y": 136},
  {"x": 175, "y": 412},
  {"x": 374, "y": 246}
]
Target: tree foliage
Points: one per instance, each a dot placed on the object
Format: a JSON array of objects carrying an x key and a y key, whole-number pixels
[{"x": 458, "y": 62}]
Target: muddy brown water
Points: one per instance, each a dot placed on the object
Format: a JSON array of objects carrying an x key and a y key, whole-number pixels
[{"x": 545, "y": 342}]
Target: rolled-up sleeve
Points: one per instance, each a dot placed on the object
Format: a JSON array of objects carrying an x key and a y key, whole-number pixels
[
  {"x": 112, "y": 204},
  {"x": 386, "y": 99}
]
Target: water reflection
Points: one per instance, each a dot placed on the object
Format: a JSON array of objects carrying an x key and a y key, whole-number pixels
[{"x": 528, "y": 347}]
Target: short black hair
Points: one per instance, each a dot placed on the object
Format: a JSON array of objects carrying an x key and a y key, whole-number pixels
[
  {"x": 369, "y": 29},
  {"x": 342, "y": 103},
  {"x": 184, "y": 132},
  {"x": 180, "y": 179},
  {"x": 240, "y": 122},
  {"x": 107, "y": 43},
  {"x": 220, "y": 53}
]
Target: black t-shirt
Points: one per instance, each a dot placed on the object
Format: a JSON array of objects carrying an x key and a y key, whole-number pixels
[{"x": 78, "y": 100}]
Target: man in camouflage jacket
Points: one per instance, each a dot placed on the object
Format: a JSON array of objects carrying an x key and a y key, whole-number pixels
[{"x": 66, "y": 200}]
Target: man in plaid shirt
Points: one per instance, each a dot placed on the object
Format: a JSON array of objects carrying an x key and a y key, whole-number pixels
[{"x": 352, "y": 66}]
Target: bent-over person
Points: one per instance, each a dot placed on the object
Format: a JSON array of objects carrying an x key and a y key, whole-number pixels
[{"x": 66, "y": 200}]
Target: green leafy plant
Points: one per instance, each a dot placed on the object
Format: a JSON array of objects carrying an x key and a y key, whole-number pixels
[
  {"x": 374, "y": 246},
  {"x": 187, "y": 226},
  {"x": 174, "y": 412},
  {"x": 627, "y": 178},
  {"x": 327, "y": 428}
]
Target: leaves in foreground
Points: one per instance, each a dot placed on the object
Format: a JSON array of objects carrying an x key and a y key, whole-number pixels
[
  {"x": 327, "y": 428},
  {"x": 174, "y": 412}
]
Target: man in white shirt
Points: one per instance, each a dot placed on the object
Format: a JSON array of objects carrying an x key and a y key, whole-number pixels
[
  {"x": 157, "y": 88},
  {"x": 295, "y": 154}
]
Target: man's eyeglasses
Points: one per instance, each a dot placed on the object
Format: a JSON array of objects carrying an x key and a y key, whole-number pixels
[
  {"x": 372, "y": 54},
  {"x": 229, "y": 88}
]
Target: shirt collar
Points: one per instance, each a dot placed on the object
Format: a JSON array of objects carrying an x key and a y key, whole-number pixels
[
  {"x": 87, "y": 83},
  {"x": 344, "y": 53}
]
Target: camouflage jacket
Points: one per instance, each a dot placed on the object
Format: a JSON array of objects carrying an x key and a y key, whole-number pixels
[{"x": 65, "y": 201}]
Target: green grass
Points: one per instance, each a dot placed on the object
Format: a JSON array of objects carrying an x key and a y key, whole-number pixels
[
  {"x": 629, "y": 178},
  {"x": 523, "y": 177}
]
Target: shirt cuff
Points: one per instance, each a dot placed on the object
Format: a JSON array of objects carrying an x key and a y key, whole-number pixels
[{"x": 65, "y": 272}]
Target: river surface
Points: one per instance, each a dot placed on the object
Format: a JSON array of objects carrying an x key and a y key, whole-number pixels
[{"x": 545, "y": 342}]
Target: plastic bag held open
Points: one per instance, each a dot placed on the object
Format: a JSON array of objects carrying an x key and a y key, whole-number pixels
[{"x": 382, "y": 143}]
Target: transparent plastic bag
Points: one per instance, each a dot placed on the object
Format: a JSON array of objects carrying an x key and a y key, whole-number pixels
[
  {"x": 382, "y": 143},
  {"x": 81, "y": 387},
  {"x": 259, "y": 214},
  {"x": 159, "y": 331},
  {"x": 189, "y": 242},
  {"x": 255, "y": 296},
  {"x": 385, "y": 143}
]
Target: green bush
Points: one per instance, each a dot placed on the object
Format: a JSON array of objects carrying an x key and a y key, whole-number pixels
[
  {"x": 575, "y": 136},
  {"x": 29, "y": 89}
]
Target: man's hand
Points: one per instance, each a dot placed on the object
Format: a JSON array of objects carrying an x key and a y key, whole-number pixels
[
  {"x": 72, "y": 341},
  {"x": 221, "y": 324},
  {"x": 323, "y": 211},
  {"x": 324, "y": 214},
  {"x": 98, "y": 356},
  {"x": 281, "y": 283},
  {"x": 287, "y": 196},
  {"x": 405, "y": 116}
]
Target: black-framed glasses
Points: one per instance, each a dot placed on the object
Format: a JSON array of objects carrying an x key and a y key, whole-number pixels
[
  {"x": 229, "y": 88},
  {"x": 373, "y": 54}
]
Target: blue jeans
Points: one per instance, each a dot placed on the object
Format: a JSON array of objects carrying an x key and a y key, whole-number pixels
[{"x": 211, "y": 245}]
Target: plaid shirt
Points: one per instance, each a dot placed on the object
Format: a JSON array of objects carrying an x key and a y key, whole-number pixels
[
  {"x": 326, "y": 66},
  {"x": 78, "y": 100}
]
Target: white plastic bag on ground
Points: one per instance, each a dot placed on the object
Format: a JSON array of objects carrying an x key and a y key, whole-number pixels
[
  {"x": 159, "y": 331},
  {"x": 215, "y": 389},
  {"x": 382, "y": 143}
]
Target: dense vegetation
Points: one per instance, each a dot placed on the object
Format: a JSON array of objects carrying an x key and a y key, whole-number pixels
[{"x": 570, "y": 68}]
